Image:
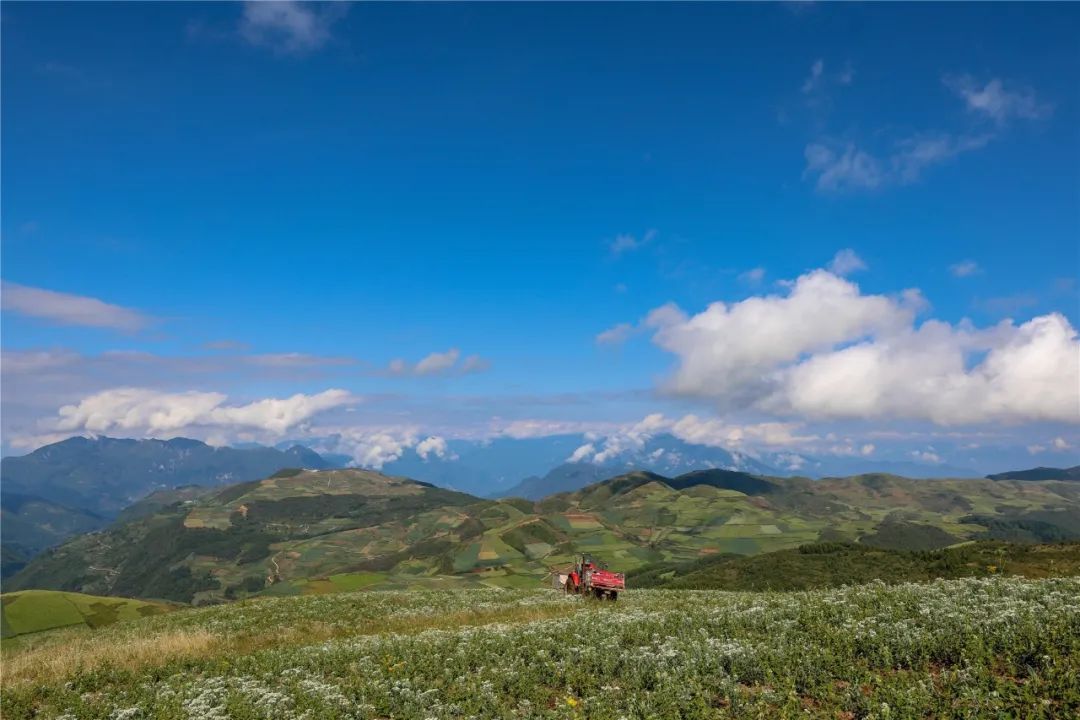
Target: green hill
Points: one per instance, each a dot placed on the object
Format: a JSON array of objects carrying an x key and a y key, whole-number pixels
[
  {"x": 1039, "y": 473},
  {"x": 32, "y": 611},
  {"x": 312, "y": 532},
  {"x": 833, "y": 564}
]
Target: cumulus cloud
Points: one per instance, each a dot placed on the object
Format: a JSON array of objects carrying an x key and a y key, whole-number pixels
[
  {"x": 965, "y": 268},
  {"x": 153, "y": 412},
  {"x": 826, "y": 350},
  {"x": 373, "y": 448},
  {"x": 289, "y": 27},
  {"x": 67, "y": 309},
  {"x": 582, "y": 454},
  {"x": 846, "y": 262},
  {"x": 996, "y": 102},
  {"x": 434, "y": 446},
  {"x": 439, "y": 363}
]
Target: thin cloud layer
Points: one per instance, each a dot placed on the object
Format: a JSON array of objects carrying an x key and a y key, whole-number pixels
[
  {"x": 841, "y": 166},
  {"x": 439, "y": 363},
  {"x": 995, "y": 101},
  {"x": 289, "y": 27},
  {"x": 68, "y": 309}
]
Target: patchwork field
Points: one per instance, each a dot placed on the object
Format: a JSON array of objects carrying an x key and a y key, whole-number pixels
[
  {"x": 994, "y": 647},
  {"x": 314, "y": 532},
  {"x": 32, "y": 611}
]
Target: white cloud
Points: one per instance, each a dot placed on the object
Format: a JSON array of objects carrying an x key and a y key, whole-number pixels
[
  {"x": 1036, "y": 449},
  {"x": 848, "y": 167},
  {"x": 534, "y": 428},
  {"x": 582, "y": 454},
  {"x": 828, "y": 351},
  {"x": 965, "y": 268},
  {"x": 995, "y": 101},
  {"x": 914, "y": 155},
  {"x": 1061, "y": 443},
  {"x": 375, "y": 449},
  {"x": 846, "y": 262},
  {"x": 439, "y": 363},
  {"x": 717, "y": 432},
  {"x": 814, "y": 80},
  {"x": 842, "y": 169},
  {"x": 753, "y": 276},
  {"x": 36, "y": 361},
  {"x": 289, "y": 27},
  {"x": 434, "y": 446},
  {"x": 626, "y": 243},
  {"x": 616, "y": 335},
  {"x": 153, "y": 412},
  {"x": 67, "y": 309},
  {"x": 927, "y": 456},
  {"x": 838, "y": 167},
  {"x": 817, "y": 82},
  {"x": 475, "y": 364}
]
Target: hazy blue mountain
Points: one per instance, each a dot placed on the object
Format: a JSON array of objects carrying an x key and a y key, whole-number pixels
[
  {"x": 105, "y": 475},
  {"x": 663, "y": 454},
  {"x": 29, "y": 524},
  {"x": 81, "y": 484},
  {"x": 487, "y": 467}
]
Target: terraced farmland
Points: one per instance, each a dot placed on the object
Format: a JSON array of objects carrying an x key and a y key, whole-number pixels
[{"x": 314, "y": 532}]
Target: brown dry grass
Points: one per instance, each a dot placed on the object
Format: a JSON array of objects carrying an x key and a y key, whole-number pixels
[{"x": 57, "y": 662}]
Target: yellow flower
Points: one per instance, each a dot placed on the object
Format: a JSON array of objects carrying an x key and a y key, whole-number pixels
[{"x": 572, "y": 702}]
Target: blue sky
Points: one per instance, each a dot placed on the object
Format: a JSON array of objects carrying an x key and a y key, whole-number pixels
[{"x": 269, "y": 200}]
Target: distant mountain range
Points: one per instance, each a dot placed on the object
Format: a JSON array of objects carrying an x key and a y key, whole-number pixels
[
  {"x": 81, "y": 484},
  {"x": 314, "y": 531}
]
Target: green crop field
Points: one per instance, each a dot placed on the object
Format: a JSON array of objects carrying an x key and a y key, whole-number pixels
[
  {"x": 32, "y": 611},
  {"x": 997, "y": 647}
]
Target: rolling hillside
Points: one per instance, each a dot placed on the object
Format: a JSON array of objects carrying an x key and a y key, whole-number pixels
[
  {"x": 822, "y": 565},
  {"x": 32, "y": 611},
  {"x": 316, "y": 531},
  {"x": 81, "y": 484}
]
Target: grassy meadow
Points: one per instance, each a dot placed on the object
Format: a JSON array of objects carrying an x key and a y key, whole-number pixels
[{"x": 976, "y": 647}]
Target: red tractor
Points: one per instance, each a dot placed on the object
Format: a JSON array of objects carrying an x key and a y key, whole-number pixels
[{"x": 588, "y": 578}]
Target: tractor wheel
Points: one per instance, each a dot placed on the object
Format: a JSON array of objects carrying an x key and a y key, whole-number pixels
[
  {"x": 571, "y": 587},
  {"x": 613, "y": 596},
  {"x": 598, "y": 593}
]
